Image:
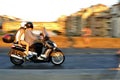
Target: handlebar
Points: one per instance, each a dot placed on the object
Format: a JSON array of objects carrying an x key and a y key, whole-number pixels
[{"x": 46, "y": 38}]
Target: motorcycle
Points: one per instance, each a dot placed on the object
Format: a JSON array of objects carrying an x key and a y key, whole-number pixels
[{"x": 54, "y": 54}]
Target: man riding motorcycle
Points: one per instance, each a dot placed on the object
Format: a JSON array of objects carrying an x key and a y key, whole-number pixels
[
  {"x": 30, "y": 37},
  {"x": 39, "y": 44}
]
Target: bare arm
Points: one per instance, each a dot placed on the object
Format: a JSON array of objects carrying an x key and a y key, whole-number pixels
[
  {"x": 32, "y": 36},
  {"x": 19, "y": 37}
]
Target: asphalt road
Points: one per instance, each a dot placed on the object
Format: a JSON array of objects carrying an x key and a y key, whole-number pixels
[
  {"x": 80, "y": 64},
  {"x": 75, "y": 59}
]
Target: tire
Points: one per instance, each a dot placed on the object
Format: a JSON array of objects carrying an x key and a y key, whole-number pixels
[
  {"x": 15, "y": 61},
  {"x": 57, "y": 58}
]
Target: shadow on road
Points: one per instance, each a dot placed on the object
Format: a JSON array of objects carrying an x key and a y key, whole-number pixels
[{"x": 37, "y": 66}]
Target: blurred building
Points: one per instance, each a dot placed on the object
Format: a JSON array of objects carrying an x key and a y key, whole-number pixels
[
  {"x": 97, "y": 17},
  {"x": 73, "y": 26},
  {"x": 100, "y": 24},
  {"x": 9, "y": 26},
  {"x": 61, "y": 22},
  {"x": 115, "y": 20},
  {"x": 5, "y": 18}
]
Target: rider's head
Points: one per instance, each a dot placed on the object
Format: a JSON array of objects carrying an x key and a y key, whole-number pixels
[
  {"x": 22, "y": 24},
  {"x": 29, "y": 25}
]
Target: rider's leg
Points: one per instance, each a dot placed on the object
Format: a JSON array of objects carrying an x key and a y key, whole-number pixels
[
  {"x": 46, "y": 53},
  {"x": 27, "y": 46}
]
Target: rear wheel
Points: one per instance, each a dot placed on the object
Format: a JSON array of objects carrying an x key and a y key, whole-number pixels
[
  {"x": 14, "y": 60},
  {"x": 57, "y": 58}
]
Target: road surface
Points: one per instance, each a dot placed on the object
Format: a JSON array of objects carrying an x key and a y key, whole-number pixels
[{"x": 80, "y": 64}]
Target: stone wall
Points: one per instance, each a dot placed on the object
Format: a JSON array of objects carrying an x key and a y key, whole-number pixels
[{"x": 77, "y": 42}]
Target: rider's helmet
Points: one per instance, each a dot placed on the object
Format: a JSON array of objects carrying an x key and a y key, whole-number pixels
[
  {"x": 29, "y": 25},
  {"x": 22, "y": 24}
]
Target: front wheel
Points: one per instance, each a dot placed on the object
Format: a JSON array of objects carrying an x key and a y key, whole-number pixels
[{"x": 57, "y": 58}]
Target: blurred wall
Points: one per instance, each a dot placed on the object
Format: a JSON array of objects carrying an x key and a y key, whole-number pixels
[{"x": 8, "y": 26}]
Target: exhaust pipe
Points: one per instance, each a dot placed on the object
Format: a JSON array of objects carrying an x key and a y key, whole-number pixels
[{"x": 15, "y": 56}]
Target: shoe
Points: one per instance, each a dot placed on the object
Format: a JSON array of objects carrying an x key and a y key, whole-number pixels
[
  {"x": 44, "y": 56},
  {"x": 39, "y": 58},
  {"x": 28, "y": 57},
  {"x": 25, "y": 58},
  {"x": 29, "y": 53}
]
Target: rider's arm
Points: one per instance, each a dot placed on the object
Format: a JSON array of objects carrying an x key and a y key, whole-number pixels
[
  {"x": 32, "y": 36},
  {"x": 20, "y": 35}
]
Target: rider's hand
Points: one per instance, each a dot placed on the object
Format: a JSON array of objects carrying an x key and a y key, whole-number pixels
[
  {"x": 41, "y": 37},
  {"x": 46, "y": 38}
]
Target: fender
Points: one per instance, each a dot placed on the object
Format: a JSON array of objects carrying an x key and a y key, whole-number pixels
[
  {"x": 18, "y": 57},
  {"x": 53, "y": 53}
]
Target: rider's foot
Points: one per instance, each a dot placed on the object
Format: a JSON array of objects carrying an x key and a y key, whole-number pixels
[
  {"x": 39, "y": 58},
  {"x": 27, "y": 57},
  {"x": 43, "y": 55}
]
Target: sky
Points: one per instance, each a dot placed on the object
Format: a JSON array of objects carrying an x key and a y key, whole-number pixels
[{"x": 46, "y": 10}]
